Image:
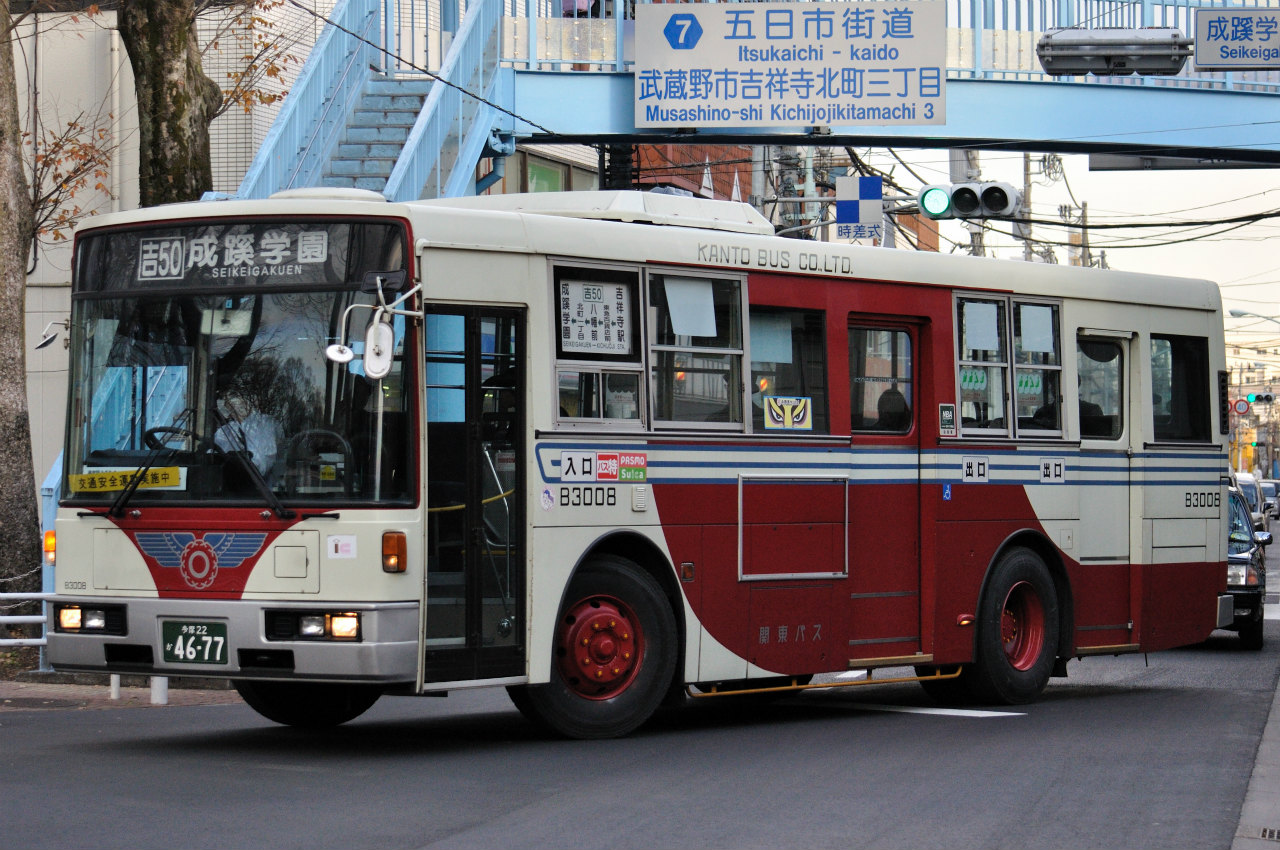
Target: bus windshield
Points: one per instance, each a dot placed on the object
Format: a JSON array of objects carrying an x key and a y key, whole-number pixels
[{"x": 226, "y": 394}]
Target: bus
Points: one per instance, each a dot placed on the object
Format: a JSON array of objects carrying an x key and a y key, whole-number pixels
[{"x": 616, "y": 450}]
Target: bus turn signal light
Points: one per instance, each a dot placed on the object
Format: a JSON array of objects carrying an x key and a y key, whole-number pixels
[
  {"x": 50, "y": 548},
  {"x": 394, "y": 550},
  {"x": 964, "y": 620}
]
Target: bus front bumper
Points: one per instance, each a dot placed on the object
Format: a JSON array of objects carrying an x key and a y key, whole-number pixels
[{"x": 243, "y": 639}]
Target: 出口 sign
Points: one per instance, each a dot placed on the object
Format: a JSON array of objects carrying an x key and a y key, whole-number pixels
[{"x": 873, "y": 62}]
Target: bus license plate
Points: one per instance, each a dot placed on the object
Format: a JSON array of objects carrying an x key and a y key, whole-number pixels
[{"x": 188, "y": 642}]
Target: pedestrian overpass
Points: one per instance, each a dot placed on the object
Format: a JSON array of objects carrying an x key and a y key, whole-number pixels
[{"x": 406, "y": 97}]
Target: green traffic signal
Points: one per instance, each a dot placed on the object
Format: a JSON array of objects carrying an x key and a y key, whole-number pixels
[
  {"x": 935, "y": 201},
  {"x": 1251, "y": 398}
]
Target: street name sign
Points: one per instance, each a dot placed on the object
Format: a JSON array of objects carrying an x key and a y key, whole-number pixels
[
  {"x": 866, "y": 63},
  {"x": 1236, "y": 38}
]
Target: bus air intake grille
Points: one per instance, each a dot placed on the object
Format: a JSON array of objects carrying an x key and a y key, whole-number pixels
[
  {"x": 266, "y": 659},
  {"x": 281, "y": 625}
]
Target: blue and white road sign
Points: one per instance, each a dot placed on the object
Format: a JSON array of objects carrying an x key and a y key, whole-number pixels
[
  {"x": 860, "y": 208},
  {"x": 1234, "y": 37},
  {"x": 859, "y": 200},
  {"x": 867, "y": 63}
]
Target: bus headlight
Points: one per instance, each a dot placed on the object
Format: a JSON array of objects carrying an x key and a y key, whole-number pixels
[
  {"x": 313, "y": 625},
  {"x": 75, "y": 618},
  {"x": 345, "y": 626},
  {"x": 69, "y": 618}
]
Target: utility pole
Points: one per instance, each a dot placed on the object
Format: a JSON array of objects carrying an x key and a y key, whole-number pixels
[
  {"x": 965, "y": 169},
  {"x": 1086, "y": 259},
  {"x": 1027, "y": 253}
]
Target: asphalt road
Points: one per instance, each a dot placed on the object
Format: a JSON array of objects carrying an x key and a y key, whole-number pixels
[{"x": 1120, "y": 754}]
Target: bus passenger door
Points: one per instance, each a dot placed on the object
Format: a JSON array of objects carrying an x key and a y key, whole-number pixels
[
  {"x": 475, "y": 386},
  {"x": 1108, "y": 439},
  {"x": 884, "y": 494}
]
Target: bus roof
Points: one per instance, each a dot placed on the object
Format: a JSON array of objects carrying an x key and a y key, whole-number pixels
[
  {"x": 599, "y": 225},
  {"x": 626, "y": 206}
]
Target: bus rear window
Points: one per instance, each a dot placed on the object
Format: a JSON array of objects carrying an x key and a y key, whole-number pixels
[{"x": 1180, "y": 396}]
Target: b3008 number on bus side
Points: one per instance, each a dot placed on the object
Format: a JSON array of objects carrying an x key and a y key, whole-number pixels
[{"x": 588, "y": 497}]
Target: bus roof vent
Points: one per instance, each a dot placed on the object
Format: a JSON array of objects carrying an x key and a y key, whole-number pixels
[
  {"x": 328, "y": 193},
  {"x": 621, "y": 205}
]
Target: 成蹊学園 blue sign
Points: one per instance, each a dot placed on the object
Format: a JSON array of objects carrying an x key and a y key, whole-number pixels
[
  {"x": 873, "y": 62},
  {"x": 1228, "y": 38}
]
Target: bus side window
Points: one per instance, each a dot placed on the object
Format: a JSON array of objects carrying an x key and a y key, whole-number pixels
[
  {"x": 599, "y": 370},
  {"x": 788, "y": 370},
  {"x": 1100, "y": 365},
  {"x": 696, "y": 345},
  {"x": 881, "y": 391},
  {"x": 983, "y": 360}
]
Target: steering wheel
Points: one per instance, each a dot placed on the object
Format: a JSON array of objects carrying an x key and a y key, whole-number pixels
[{"x": 158, "y": 437}]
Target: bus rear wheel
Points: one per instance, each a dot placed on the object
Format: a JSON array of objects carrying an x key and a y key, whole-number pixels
[
  {"x": 1017, "y": 637},
  {"x": 308, "y": 705},
  {"x": 614, "y": 654}
]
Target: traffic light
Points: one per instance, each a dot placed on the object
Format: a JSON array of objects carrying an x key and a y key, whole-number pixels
[
  {"x": 969, "y": 200},
  {"x": 1260, "y": 398}
]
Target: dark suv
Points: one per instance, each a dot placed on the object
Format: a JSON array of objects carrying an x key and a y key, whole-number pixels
[{"x": 1246, "y": 572}]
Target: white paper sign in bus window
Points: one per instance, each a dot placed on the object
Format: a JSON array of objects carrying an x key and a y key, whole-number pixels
[
  {"x": 595, "y": 318},
  {"x": 872, "y": 62}
]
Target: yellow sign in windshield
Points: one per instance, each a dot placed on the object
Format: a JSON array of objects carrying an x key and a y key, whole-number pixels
[{"x": 106, "y": 480}]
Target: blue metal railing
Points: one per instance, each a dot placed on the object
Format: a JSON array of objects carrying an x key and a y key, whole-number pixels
[
  {"x": 439, "y": 157},
  {"x": 315, "y": 113},
  {"x": 987, "y": 39}
]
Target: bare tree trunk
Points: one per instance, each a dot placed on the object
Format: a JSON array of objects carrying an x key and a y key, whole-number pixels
[
  {"x": 19, "y": 518},
  {"x": 176, "y": 101}
]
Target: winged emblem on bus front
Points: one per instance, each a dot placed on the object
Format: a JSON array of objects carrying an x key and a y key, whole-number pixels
[{"x": 199, "y": 556}]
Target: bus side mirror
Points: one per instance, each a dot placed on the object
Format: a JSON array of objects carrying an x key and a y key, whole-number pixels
[
  {"x": 379, "y": 346},
  {"x": 389, "y": 281}
]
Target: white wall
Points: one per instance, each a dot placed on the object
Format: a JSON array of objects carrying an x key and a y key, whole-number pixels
[{"x": 69, "y": 68}]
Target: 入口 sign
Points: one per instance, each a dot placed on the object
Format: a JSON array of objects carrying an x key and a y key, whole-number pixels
[{"x": 875, "y": 62}]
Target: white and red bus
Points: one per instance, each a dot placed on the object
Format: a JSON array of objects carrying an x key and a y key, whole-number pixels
[{"x": 605, "y": 449}]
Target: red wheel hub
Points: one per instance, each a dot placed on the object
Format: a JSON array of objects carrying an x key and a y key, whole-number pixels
[
  {"x": 599, "y": 647},
  {"x": 1022, "y": 626}
]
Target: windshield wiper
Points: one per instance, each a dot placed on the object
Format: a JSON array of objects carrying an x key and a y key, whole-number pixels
[
  {"x": 240, "y": 451},
  {"x": 118, "y": 504}
]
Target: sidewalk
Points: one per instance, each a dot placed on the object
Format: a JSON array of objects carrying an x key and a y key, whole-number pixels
[
  {"x": 34, "y": 691},
  {"x": 1260, "y": 815}
]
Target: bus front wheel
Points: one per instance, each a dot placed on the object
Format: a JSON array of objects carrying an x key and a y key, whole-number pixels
[
  {"x": 310, "y": 705},
  {"x": 1017, "y": 638},
  {"x": 613, "y": 657}
]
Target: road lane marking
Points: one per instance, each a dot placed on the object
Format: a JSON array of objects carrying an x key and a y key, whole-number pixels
[{"x": 945, "y": 712}]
